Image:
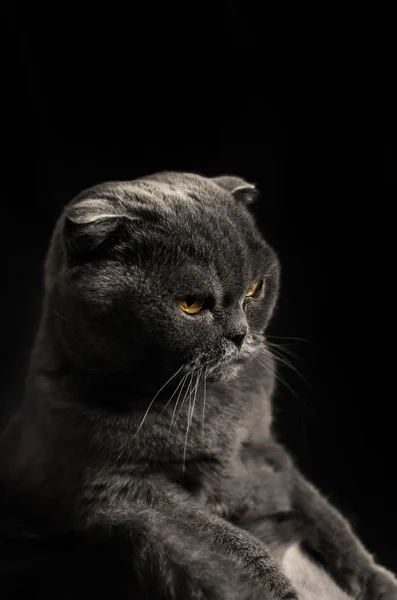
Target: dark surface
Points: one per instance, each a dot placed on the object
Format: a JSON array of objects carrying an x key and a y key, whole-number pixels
[{"x": 85, "y": 106}]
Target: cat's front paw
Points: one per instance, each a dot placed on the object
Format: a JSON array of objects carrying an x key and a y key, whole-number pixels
[{"x": 380, "y": 585}]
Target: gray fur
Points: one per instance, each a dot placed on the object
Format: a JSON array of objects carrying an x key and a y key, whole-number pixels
[{"x": 153, "y": 426}]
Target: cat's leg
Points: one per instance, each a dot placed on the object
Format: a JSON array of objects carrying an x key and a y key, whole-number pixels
[
  {"x": 329, "y": 537},
  {"x": 207, "y": 543},
  {"x": 161, "y": 563},
  {"x": 252, "y": 554}
]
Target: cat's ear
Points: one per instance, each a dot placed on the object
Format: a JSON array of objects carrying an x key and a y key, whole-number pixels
[
  {"x": 243, "y": 191},
  {"x": 90, "y": 222}
]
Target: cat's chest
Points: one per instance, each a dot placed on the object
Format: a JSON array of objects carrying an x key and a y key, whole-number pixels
[{"x": 251, "y": 485}]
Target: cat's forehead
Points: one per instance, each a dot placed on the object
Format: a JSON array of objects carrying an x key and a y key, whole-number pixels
[
  {"x": 163, "y": 194},
  {"x": 189, "y": 216}
]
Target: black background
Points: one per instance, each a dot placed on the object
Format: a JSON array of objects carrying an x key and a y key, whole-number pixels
[{"x": 302, "y": 110}]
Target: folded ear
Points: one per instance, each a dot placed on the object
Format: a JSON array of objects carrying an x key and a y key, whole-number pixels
[
  {"x": 90, "y": 222},
  {"x": 243, "y": 191}
]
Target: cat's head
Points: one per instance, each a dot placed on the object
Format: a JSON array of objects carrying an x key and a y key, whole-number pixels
[{"x": 167, "y": 270}]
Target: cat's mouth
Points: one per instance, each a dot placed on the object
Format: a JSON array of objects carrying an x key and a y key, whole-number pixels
[
  {"x": 243, "y": 356},
  {"x": 238, "y": 360},
  {"x": 226, "y": 366},
  {"x": 234, "y": 362}
]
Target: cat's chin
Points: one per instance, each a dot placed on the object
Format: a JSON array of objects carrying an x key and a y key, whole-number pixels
[{"x": 228, "y": 372}]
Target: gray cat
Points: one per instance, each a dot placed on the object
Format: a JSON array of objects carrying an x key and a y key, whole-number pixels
[{"x": 145, "y": 436}]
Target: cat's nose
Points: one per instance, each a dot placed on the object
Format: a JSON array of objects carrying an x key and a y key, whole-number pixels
[{"x": 238, "y": 338}]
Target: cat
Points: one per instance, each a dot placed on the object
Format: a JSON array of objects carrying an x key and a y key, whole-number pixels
[{"x": 142, "y": 462}]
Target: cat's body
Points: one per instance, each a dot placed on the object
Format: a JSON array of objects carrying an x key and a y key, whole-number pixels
[{"x": 150, "y": 427}]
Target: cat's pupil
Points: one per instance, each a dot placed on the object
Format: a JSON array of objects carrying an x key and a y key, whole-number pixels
[{"x": 190, "y": 300}]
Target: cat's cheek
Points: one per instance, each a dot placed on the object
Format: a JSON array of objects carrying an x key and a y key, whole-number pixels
[
  {"x": 192, "y": 337},
  {"x": 194, "y": 329},
  {"x": 257, "y": 317}
]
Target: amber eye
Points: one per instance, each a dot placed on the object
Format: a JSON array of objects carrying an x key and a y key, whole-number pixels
[
  {"x": 191, "y": 304},
  {"x": 252, "y": 292}
]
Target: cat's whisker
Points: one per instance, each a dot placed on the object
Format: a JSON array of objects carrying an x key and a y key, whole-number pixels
[
  {"x": 283, "y": 353},
  {"x": 176, "y": 404},
  {"x": 293, "y": 339},
  {"x": 281, "y": 379},
  {"x": 204, "y": 393},
  {"x": 183, "y": 401},
  {"x": 175, "y": 391},
  {"x": 277, "y": 376},
  {"x": 282, "y": 349},
  {"x": 151, "y": 403},
  {"x": 195, "y": 393},
  {"x": 62, "y": 317},
  {"x": 188, "y": 392},
  {"x": 189, "y": 420},
  {"x": 297, "y": 397},
  {"x": 284, "y": 361}
]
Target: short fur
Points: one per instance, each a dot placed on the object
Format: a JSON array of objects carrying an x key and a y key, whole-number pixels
[{"x": 142, "y": 462}]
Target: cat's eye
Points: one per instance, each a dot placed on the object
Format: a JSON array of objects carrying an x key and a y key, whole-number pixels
[
  {"x": 191, "y": 304},
  {"x": 254, "y": 290}
]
